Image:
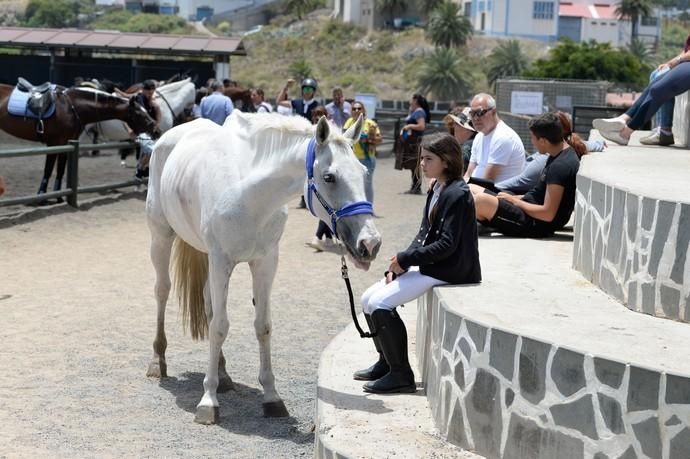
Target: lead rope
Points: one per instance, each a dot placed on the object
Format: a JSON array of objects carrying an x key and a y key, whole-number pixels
[{"x": 343, "y": 272}]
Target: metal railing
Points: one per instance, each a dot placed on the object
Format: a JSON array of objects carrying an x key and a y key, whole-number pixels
[{"x": 72, "y": 189}]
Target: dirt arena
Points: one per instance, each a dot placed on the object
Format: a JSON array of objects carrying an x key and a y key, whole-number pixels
[{"x": 77, "y": 318}]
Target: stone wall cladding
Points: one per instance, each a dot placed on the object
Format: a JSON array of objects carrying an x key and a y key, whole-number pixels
[
  {"x": 634, "y": 248},
  {"x": 509, "y": 396}
]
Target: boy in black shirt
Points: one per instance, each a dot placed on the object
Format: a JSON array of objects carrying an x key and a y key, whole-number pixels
[{"x": 546, "y": 207}]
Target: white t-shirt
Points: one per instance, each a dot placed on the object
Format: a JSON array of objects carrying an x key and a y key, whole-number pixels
[{"x": 501, "y": 147}]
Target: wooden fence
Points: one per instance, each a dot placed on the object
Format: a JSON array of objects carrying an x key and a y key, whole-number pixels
[{"x": 72, "y": 189}]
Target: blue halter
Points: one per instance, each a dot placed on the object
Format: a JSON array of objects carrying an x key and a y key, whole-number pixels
[{"x": 356, "y": 208}]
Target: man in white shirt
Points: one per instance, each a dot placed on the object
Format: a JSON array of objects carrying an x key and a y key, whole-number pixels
[{"x": 497, "y": 151}]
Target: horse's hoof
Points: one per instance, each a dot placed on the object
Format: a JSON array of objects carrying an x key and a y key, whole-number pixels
[
  {"x": 207, "y": 415},
  {"x": 157, "y": 370},
  {"x": 275, "y": 410},
  {"x": 225, "y": 385}
]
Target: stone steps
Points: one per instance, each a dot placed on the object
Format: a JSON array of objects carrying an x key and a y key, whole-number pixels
[{"x": 536, "y": 362}]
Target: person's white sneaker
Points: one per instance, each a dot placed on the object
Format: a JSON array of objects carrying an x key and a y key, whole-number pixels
[
  {"x": 608, "y": 124},
  {"x": 316, "y": 244},
  {"x": 614, "y": 137},
  {"x": 123, "y": 163}
]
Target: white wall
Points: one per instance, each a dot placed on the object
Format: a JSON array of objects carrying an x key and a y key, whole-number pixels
[{"x": 601, "y": 30}]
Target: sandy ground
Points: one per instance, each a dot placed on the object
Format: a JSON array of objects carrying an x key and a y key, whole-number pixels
[{"x": 77, "y": 317}]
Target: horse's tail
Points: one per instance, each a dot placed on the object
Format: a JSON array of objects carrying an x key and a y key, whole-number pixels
[{"x": 190, "y": 272}]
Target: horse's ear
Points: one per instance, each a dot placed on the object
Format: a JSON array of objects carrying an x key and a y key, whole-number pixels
[
  {"x": 354, "y": 130},
  {"x": 132, "y": 101},
  {"x": 323, "y": 130}
]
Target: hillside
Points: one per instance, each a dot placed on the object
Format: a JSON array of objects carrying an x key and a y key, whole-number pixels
[{"x": 382, "y": 62}]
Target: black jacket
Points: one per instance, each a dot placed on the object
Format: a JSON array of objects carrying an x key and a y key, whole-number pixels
[{"x": 447, "y": 248}]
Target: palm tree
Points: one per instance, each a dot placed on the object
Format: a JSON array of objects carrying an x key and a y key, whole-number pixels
[
  {"x": 507, "y": 59},
  {"x": 300, "y": 69},
  {"x": 442, "y": 75},
  {"x": 391, "y": 7},
  {"x": 633, "y": 10},
  {"x": 427, "y": 6},
  {"x": 640, "y": 50},
  {"x": 300, "y": 7},
  {"x": 447, "y": 27}
]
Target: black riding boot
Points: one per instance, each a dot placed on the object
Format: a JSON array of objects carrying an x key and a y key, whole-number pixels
[
  {"x": 393, "y": 340},
  {"x": 378, "y": 369}
]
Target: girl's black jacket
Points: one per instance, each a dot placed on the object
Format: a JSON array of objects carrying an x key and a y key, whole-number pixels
[{"x": 446, "y": 248}]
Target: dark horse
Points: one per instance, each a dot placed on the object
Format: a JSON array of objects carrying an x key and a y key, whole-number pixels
[
  {"x": 240, "y": 95},
  {"x": 74, "y": 109}
]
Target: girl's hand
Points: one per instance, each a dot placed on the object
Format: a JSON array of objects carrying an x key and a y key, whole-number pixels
[
  {"x": 508, "y": 197},
  {"x": 395, "y": 266}
]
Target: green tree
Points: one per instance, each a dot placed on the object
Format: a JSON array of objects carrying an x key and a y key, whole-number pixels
[
  {"x": 427, "y": 6},
  {"x": 633, "y": 10},
  {"x": 300, "y": 69},
  {"x": 507, "y": 59},
  {"x": 391, "y": 8},
  {"x": 640, "y": 50},
  {"x": 51, "y": 13},
  {"x": 126, "y": 21},
  {"x": 442, "y": 75},
  {"x": 591, "y": 61},
  {"x": 447, "y": 27}
]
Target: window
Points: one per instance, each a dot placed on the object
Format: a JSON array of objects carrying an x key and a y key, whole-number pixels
[
  {"x": 648, "y": 21},
  {"x": 542, "y": 10},
  {"x": 468, "y": 9},
  {"x": 482, "y": 6}
]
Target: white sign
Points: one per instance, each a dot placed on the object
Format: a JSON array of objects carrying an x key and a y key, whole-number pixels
[
  {"x": 564, "y": 102},
  {"x": 527, "y": 103}
]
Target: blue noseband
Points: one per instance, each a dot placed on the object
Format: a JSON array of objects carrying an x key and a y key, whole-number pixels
[{"x": 356, "y": 208}]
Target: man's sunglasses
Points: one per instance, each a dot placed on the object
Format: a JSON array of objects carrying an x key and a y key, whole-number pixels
[
  {"x": 480, "y": 113},
  {"x": 308, "y": 89}
]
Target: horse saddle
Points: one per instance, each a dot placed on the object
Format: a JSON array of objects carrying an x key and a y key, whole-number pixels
[{"x": 31, "y": 101}]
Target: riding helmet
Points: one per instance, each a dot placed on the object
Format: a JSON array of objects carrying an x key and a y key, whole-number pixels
[{"x": 309, "y": 83}]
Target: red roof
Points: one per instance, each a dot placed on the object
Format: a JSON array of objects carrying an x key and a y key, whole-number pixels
[
  {"x": 586, "y": 10},
  {"x": 120, "y": 42}
]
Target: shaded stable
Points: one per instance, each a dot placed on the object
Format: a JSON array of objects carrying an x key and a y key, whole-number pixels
[{"x": 60, "y": 55}]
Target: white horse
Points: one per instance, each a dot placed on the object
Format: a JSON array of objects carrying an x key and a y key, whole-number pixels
[
  {"x": 173, "y": 99},
  {"x": 220, "y": 194}
]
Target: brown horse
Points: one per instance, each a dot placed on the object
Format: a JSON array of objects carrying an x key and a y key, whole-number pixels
[
  {"x": 74, "y": 109},
  {"x": 241, "y": 98}
]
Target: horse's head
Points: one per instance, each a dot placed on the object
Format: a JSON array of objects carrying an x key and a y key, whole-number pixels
[
  {"x": 138, "y": 119},
  {"x": 338, "y": 179}
]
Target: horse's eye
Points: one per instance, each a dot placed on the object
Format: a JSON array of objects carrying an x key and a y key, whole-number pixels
[{"x": 329, "y": 178}]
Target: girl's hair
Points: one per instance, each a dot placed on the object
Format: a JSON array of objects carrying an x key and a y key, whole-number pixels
[
  {"x": 317, "y": 112},
  {"x": 556, "y": 128},
  {"x": 446, "y": 147},
  {"x": 570, "y": 137},
  {"x": 422, "y": 102}
]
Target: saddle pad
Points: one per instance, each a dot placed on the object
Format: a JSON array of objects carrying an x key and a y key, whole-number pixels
[{"x": 17, "y": 105}]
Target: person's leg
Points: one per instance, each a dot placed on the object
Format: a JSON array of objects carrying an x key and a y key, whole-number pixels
[
  {"x": 485, "y": 205},
  {"x": 662, "y": 90},
  {"x": 416, "y": 186},
  {"x": 380, "y": 368},
  {"x": 391, "y": 331}
]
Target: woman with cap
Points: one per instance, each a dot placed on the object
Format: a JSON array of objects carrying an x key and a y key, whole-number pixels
[
  {"x": 306, "y": 104},
  {"x": 459, "y": 125}
]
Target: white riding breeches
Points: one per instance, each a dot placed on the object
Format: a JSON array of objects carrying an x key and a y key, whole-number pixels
[{"x": 403, "y": 289}]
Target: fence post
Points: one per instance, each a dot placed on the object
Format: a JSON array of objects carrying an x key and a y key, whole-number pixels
[{"x": 73, "y": 173}]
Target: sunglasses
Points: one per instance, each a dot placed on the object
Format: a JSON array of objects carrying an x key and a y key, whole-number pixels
[
  {"x": 480, "y": 113},
  {"x": 356, "y": 109},
  {"x": 308, "y": 89}
]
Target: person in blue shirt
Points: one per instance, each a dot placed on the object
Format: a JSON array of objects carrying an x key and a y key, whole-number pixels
[{"x": 216, "y": 106}]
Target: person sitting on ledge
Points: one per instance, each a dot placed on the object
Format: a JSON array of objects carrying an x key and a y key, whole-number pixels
[
  {"x": 663, "y": 89},
  {"x": 497, "y": 151},
  {"x": 548, "y": 206},
  {"x": 445, "y": 251}
]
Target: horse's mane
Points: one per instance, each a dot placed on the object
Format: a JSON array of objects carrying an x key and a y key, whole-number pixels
[
  {"x": 99, "y": 94},
  {"x": 174, "y": 86},
  {"x": 267, "y": 130}
]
